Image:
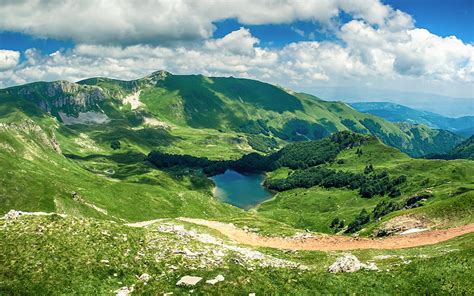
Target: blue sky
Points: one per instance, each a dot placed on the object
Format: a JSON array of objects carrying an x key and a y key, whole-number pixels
[
  {"x": 391, "y": 45},
  {"x": 441, "y": 17}
]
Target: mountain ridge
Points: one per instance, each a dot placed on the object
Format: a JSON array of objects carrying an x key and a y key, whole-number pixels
[
  {"x": 264, "y": 113},
  {"x": 462, "y": 125}
]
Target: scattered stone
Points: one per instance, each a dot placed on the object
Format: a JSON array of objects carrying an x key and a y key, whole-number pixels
[
  {"x": 383, "y": 257},
  {"x": 370, "y": 266},
  {"x": 145, "y": 277},
  {"x": 350, "y": 263},
  {"x": 124, "y": 291},
  {"x": 188, "y": 280},
  {"x": 12, "y": 214},
  {"x": 215, "y": 280}
]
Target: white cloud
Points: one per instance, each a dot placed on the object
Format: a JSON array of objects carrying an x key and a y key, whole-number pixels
[
  {"x": 379, "y": 47},
  {"x": 239, "y": 42},
  {"x": 127, "y": 22},
  {"x": 8, "y": 59}
]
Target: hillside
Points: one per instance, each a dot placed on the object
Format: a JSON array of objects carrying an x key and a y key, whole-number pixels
[
  {"x": 399, "y": 113},
  {"x": 428, "y": 187},
  {"x": 257, "y": 115},
  {"x": 86, "y": 256},
  {"x": 107, "y": 170},
  {"x": 464, "y": 150},
  {"x": 351, "y": 183}
]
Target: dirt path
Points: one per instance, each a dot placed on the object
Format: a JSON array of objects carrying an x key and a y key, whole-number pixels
[{"x": 335, "y": 242}]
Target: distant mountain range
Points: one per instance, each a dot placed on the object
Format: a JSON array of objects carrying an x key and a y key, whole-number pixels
[
  {"x": 399, "y": 113},
  {"x": 440, "y": 104},
  {"x": 262, "y": 114}
]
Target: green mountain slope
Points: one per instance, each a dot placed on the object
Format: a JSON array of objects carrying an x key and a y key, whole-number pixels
[
  {"x": 81, "y": 149},
  {"x": 399, "y": 113},
  {"x": 264, "y": 115},
  {"x": 465, "y": 150},
  {"x": 446, "y": 188}
]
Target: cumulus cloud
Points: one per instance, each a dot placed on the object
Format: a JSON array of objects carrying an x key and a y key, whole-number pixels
[
  {"x": 127, "y": 22},
  {"x": 8, "y": 59},
  {"x": 379, "y": 45},
  {"x": 239, "y": 42}
]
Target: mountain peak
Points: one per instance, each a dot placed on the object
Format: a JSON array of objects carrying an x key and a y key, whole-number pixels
[{"x": 158, "y": 75}]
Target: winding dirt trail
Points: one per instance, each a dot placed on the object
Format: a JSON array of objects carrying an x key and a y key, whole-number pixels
[{"x": 334, "y": 242}]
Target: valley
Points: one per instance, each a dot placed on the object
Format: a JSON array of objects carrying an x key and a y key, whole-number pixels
[{"x": 169, "y": 175}]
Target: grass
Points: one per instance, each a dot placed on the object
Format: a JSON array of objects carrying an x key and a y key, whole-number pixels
[
  {"x": 53, "y": 255},
  {"x": 315, "y": 208}
]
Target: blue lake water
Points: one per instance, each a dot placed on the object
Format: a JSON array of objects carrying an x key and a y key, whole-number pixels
[{"x": 241, "y": 190}]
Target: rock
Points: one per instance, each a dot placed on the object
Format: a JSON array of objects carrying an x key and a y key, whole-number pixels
[
  {"x": 188, "y": 280},
  {"x": 350, "y": 263},
  {"x": 215, "y": 280},
  {"x": 12, "y": 214},
  {"x": 370, "y": 266},
  {"x": 124, "y": 291},
  {"x": 145, "y": 277},
  {"x": 251, "y": 294},
  {"x": 346, "y": 263},
  {"x": 413, "y": 230}
]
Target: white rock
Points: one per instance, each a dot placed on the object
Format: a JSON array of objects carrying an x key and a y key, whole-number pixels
[
  {"x": 145, "y": 277},
  {"x": 251, "y": 294},
  {"x": 215, "y": 280},
  {"x": 414, "y": 230},
  {"x": 188, "y": 280},
  {"x": 346, "y": 263},
  {"x": 370, "y": 266},
  {"x": 124, "y": 291},
  {"x": 12, "y": 214},
  {"x": 350, "y": 263}
]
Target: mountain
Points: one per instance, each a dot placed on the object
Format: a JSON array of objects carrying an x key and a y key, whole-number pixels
[
  {"x": 259, "y": 116},
  {"x": 464, "y": 150},
  {"x": 96, "y": 175},
  {"x": 437, "y": 103},
  {"x": 399, "y": 113}
]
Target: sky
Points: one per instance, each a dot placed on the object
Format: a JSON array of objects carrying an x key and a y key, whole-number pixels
[{"x": 392, "y": 46}]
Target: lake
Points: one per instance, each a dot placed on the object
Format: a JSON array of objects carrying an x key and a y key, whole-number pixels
[{"x": 241, "y": 190}]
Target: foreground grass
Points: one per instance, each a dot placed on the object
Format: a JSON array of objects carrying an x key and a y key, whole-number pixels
[{"x": 54, "y": 255}]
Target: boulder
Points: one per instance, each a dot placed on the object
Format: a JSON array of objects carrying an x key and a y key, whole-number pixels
[
  {"x": 346, "y": 263},
  {"x": 350, "y": 263},
  {"x": 124, "y": 291},
  {"x": 145, "y": 277},
  {"x": 12, "y": 214},
  {"x": 215, "y": 280},
  {"x": 188, "y": 280}
]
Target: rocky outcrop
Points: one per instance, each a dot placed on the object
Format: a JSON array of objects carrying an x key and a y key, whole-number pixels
[
  {"x": 30, "y": 128},
  {"x": 61, "y": 95},
  {"x": 350, "y": 263}
]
